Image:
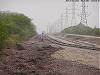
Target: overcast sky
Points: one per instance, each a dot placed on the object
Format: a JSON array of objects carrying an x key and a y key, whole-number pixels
[{"x": 44, "y": 12}]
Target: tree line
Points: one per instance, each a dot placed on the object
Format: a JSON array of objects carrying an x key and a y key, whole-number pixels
[{"x": 82, "y": 30}]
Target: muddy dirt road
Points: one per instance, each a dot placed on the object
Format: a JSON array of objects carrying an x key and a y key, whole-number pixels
[{"x": 35, "y": 57}]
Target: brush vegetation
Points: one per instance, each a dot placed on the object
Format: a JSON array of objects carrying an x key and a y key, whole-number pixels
[
  {"x": 82, "y": 30},
  {"x": 15, "y": 27}
]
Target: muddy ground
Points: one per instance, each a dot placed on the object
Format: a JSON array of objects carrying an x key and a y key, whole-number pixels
[
  {"x": 34, "y": 58},
  {"x": 84, "y": 38}
]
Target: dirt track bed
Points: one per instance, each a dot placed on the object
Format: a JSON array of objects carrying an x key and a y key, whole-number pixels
[
  {"x": 36, "y": 59},
  {"x": 83, "y": 56},
  {"x": 84, "y": 38}
]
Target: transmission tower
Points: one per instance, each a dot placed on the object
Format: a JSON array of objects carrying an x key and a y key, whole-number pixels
[
  {"x": 55, "y": 26},
  {"x": 66, "y": 18},
  {"x": 61, "y": 22},
  {"x": 73, "y": 21},
  {"x": 58, "y": 25},
  {"x": 83, "y": 14},
  {"x": 47, "y": 28}
]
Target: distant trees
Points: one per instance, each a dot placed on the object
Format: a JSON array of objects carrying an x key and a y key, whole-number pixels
[
  {"x": 82, "y": 30},
  {"x": 17, "y": 25},
  {"x": 96, "y": 31}
]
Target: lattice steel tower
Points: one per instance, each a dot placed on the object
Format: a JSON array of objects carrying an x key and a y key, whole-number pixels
[
  {"x": 66, "y": 18},
  {"x": 83, "y": 14},
  {"x": 73, "y": 21}
]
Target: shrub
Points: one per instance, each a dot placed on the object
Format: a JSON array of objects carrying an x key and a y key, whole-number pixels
[{"x": 15, "y": 24}]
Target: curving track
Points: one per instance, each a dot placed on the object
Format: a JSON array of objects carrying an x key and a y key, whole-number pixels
[{"x": 77, "y": 44}]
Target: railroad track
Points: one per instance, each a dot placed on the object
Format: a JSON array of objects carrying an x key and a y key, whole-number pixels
[{"x": 70, "y": 43}]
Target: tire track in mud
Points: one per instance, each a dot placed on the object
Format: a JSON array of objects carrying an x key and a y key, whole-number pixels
[{"x": 71, "y": 43}]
